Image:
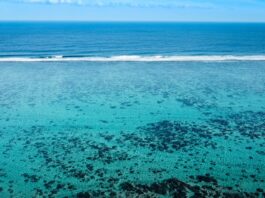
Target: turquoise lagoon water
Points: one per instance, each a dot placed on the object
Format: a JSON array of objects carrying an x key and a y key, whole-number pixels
[
  {"x": 128, "y": 129},
  {"x": 132, "y": 126}
]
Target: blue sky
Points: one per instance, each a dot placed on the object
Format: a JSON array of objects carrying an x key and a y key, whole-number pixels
[{"x": 134, "y": 10}]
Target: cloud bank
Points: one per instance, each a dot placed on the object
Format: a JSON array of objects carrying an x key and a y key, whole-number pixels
[
  {"x": 130, "y": 3},
  {"x": 203, "y": 4}
]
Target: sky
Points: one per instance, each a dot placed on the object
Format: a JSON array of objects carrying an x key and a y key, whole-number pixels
[{"x": 133, "y": 10}]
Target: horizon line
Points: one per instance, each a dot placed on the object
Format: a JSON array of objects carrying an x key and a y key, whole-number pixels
[{"x": 129, "y": 21}]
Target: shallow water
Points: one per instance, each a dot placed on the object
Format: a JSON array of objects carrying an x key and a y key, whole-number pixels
[{"x": 124, "y": 129}]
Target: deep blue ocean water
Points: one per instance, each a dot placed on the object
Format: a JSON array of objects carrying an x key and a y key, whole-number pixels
[
  {"x": 132, "y": 110},
  {"x": 108, "y": 39}
]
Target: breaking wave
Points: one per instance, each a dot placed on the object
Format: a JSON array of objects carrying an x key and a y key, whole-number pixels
[{"x": 135, "y": 58}]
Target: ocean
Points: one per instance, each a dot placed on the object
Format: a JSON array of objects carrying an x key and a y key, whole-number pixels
[{"x": 132, "y": 109}]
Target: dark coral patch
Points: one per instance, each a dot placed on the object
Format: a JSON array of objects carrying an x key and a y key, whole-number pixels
[{"x": 167, "y": 136}]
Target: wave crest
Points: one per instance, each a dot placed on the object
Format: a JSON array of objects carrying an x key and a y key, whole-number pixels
[{"x": 136, "y": 58}]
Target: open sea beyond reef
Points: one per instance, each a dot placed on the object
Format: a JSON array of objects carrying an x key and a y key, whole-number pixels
[{"x": 132, "y": 110}]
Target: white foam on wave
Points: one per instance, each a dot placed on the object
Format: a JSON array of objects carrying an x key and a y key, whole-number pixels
[{"x": 135, "y": 58}]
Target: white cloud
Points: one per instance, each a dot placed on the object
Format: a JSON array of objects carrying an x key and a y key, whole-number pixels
[
  {"x": 54, "y": 1},
  {"x": 131, "y": 3}
]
